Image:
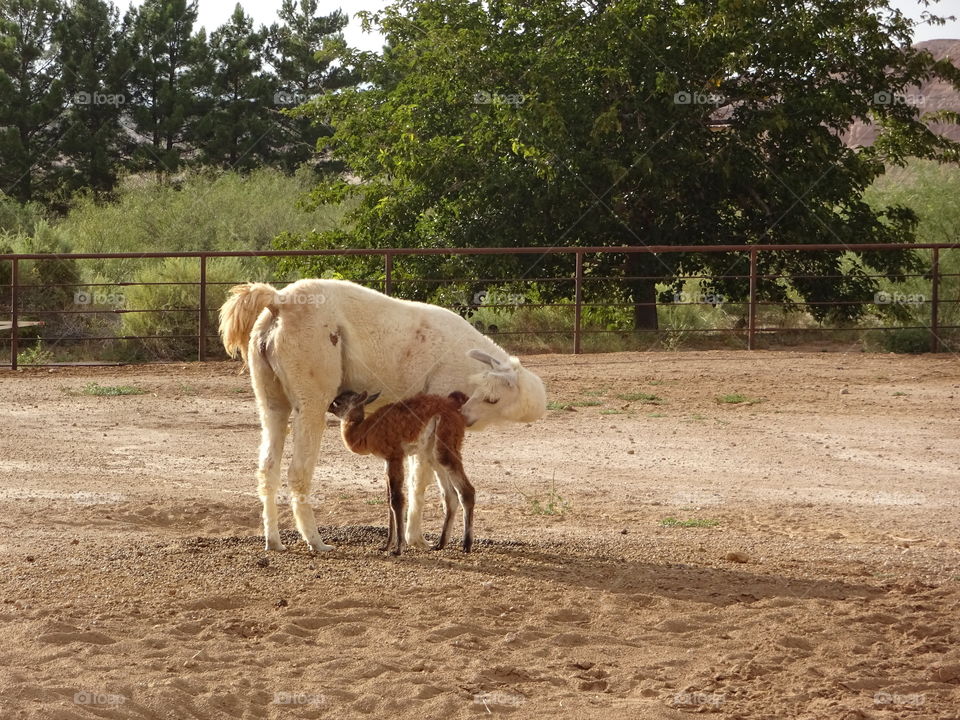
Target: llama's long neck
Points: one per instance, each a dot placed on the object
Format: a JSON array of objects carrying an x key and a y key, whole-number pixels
[{"x": 354, "y": 435}]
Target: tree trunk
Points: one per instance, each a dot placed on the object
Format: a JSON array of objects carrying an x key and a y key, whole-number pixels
[{"x": 643, "y": 292}]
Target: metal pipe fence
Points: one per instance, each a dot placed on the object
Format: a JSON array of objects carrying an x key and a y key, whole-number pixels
[{"x": 931, "y": 312}]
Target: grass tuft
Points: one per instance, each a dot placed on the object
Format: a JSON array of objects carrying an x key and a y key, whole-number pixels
[
  {"x": 642, "y": 397},
  {"x": 692, "y": 522},
  {"x": 737, "y": 399},
  {"x": 110, "y": 390}
]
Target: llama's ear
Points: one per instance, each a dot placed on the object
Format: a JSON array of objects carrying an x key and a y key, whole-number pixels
[
  {"x": 371, "y": 399},
  {"x": 484, "y": 358},
  {"x": 507, "y": 377}
]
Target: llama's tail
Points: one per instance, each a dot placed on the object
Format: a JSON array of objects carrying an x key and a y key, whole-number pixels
[
  {"x": 240, "y": 312},
  {"x": 458, "y": 399}
]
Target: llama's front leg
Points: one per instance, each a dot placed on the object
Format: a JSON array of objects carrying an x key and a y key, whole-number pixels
[
  {"x": 395, "y": 482},
  {"x": 274, "y": 426},
  {"x": 419, "y": 473},
  {"x": 391, "y": 518},
  {"x": 307, "y": 430}
]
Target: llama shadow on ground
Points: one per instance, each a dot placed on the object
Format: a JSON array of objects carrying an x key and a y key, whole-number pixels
[{"x": 600, "y": 568}]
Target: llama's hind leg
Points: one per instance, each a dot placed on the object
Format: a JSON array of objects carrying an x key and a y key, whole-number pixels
[
  {"x": 308, "y": 426},
  {"x": 467, "y": 501},
  {"x": 467, "y": 496},
  {"x": 449, "y": 499},
  {"x": 268, "y": 474},
  {"x": 274, "y": 413},
  {"x": 419, "y": 474}
]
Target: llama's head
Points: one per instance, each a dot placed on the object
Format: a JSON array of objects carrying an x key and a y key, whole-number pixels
[
  {"x": 349, "y": 405},
  {"x": 505, "y": 392}
]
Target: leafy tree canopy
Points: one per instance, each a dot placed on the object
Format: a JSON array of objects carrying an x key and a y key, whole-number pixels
[{"x": 638, "y": 122}]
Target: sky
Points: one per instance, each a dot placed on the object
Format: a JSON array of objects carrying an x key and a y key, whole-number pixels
[{"x": 214, "y": 13}]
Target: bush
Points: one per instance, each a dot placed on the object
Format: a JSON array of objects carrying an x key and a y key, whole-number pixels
[
  {"x": 902, "y": 340},
  {"x": 47, "y": 284},
  {"x": 18, "y": 219},
  {"x": 930, "y": 189},
  {"x": 178, "y": 324},
  {"x": 202, "y": 211}
]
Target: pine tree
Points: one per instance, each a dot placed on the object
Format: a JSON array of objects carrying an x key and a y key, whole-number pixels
[
  {"x": 162, "y": 87},
  {"x": 95, "y": 65},
  {"x": 236, "y": 129},
  {"x": 31, "y": 98},
  {"x": 303, "y": 50}
]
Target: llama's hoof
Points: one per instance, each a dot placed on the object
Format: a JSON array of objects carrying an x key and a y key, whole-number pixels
[
  {"x": 275, "y": 544},
  {"x": 417, "y": 542},
  {"x": 321, "y": 547},
  {"x": 438, "y": 546}
]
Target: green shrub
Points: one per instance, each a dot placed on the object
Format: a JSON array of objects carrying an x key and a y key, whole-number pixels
[
  {"x": 202, "y": 211},
  {"x": 179, "y": 297},
  {"x": 45, "y": 284},
  {"x": 903, "y": 340},
  {"x": 18, "y": 219},
  {"x": 36, "y": 354}
]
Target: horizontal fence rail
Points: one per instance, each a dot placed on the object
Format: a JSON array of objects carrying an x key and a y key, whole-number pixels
[{"x": 104, "y": 299}]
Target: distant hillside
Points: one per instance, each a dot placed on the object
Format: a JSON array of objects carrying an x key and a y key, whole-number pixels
[{"x": 930, "y": 96}]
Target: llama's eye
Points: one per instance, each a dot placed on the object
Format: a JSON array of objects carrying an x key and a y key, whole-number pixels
[{"x": 491, "y": 402}]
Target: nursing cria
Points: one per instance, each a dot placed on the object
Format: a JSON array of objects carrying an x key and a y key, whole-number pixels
[{"x": 430, "y": 426}]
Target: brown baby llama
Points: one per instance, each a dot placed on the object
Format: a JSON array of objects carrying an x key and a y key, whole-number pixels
[{"x": 423, "y": 422}]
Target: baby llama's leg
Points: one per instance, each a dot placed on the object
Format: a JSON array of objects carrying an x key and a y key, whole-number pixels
[
  {"x": 449, "y": 499},
  {"x": 395, "y": 483},
  {"x": 458, "y": 479}
]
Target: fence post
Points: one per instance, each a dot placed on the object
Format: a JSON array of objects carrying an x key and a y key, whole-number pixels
[
  {"x": 578, "y": 302},
  {"x": 388, "y": 273},
  {"x": 202, "y": 343},
  {"x": 14, "y": 312},
  {"x": 935, "y": 302},
  {"x": 752, "y": 311}
]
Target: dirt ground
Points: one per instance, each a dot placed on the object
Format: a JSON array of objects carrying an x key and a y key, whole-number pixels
[{"x": 792, "y": 555}]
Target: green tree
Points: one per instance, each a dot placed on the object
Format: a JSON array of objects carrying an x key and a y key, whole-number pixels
[
  {"x": 306, "y": 52},
  {"x": 95, "y": 62},
  {"x": 163, "y": 99},
  {"x": 634, "y": 123},
  {"x": 236, "y": 129},
  {"x": 31, "y": 98}
]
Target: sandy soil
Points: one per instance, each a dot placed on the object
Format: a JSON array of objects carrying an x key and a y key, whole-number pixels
[{"x": 820, "y": 578}]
